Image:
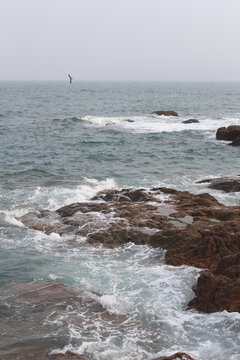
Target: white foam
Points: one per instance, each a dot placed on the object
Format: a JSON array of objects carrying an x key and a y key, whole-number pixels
[
  {"x": 10, "y": 216},
  {"x": 52, "y": 197},
  {"x": 151, "y": 123}
]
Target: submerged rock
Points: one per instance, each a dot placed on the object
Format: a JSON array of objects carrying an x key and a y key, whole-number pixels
[
  {"x": 224, "y": 184},
  {"x": 194, "y": 229},
  {"x": 165, "y": 113}
]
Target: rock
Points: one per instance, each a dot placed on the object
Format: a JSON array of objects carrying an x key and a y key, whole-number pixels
[
  {"x": 123, "y": 195},
  {"x": 228, "y": 134},
  {"x": 32, "y": 310},
  {"x": 66, "y": 356},
  {"x": 229, "y": 266},
  {"x": 165, "y": 113},
  {"x": 43, "y": 355},
  {"x": 216, "y": 293},
  {"x": 224, "y": 184},
  {"x": 194, "y": 229},
  {"x": 235, "y": 142},
  {"x": 190, "y": 121},
  {"x": 176, "y": 356},
  {"x": 222, "y": 134},
  {"x": 219, "y": 290}
]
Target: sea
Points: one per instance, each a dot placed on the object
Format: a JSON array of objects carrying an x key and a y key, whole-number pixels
[{"x": 62, "y": 143}]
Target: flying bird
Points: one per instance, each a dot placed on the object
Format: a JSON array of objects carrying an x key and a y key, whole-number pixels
[{"x": 70, "y": 78}]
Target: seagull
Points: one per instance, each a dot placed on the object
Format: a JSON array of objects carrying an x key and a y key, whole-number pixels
[{"x": 70, "y": 78}]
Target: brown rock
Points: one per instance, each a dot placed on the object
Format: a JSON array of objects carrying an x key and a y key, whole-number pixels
[
  {"x": 165, "y": 113},
  {"x": 43, "y": 355},
  {"x": 67, "y": 356},
  {"x": 190, "y": 121},
  {"x": 229, "y": 266},
  {"x": 176, "y": 356},
  {"x": 216, "y": 293},
  {"x": 27, "y": 306},
  {"x": 224, "y": 184},
  {"x": 228, "y": 134},
  {"x": 235, "y": 142},
  {"x": 222, "y": 134}
]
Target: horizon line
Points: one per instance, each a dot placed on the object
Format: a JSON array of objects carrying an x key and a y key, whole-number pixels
[{"x": 124, "y": 80}]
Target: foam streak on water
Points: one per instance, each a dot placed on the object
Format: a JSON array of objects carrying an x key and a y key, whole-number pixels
[{"x": 158, "y": 124}]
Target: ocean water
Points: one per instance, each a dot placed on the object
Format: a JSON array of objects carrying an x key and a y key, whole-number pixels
[{"x": 61, "y": 144}]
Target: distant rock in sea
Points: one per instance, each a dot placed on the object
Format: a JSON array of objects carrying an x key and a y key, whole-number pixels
[
  {"x": 165, "y": 113},
  {"x": 230, "y": 133},
  {"x": 190, "y": 121}
]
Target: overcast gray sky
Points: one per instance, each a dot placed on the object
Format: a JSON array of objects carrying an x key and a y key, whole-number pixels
[{"x": 120, "y": 39}]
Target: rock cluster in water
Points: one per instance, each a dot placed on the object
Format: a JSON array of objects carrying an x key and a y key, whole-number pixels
[
  {"x": 231, "y": 133},
  {"x": 195, "y": 230}
]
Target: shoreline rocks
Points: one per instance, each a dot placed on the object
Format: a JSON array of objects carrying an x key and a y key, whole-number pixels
[{"x": 195, "y": 230}]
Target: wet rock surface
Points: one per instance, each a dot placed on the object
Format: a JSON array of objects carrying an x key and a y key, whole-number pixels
[
  {"x": 29, "y": 310},
  {"x": 195, "y": 230},
  {"x": 165, "y": 113},
  {"x": 224, "y": 184}
]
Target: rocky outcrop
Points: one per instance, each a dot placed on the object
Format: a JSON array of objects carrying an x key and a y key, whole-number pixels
[
  {"x": 165, "y": 113},
  {"x": 194, "y": 229},
  {"x": 224, "y": 184},
  {"x": 190, "y": 121},
  {"x": 230, "y": 133},
  {"x": 176, "y": 356}
]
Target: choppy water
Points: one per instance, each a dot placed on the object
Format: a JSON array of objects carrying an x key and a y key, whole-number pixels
[{"x": 61, "y": 144}]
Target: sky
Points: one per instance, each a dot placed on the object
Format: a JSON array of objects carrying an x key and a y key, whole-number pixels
[{"x": 166, "y": 40}]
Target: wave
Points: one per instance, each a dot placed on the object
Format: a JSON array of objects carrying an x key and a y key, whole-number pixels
[
  {"x": 52, "y": 196},
  {"x": 156, "y": 124}
]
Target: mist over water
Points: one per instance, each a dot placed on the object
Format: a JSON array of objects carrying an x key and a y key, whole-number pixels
[{"x": 62, "y": 144}]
